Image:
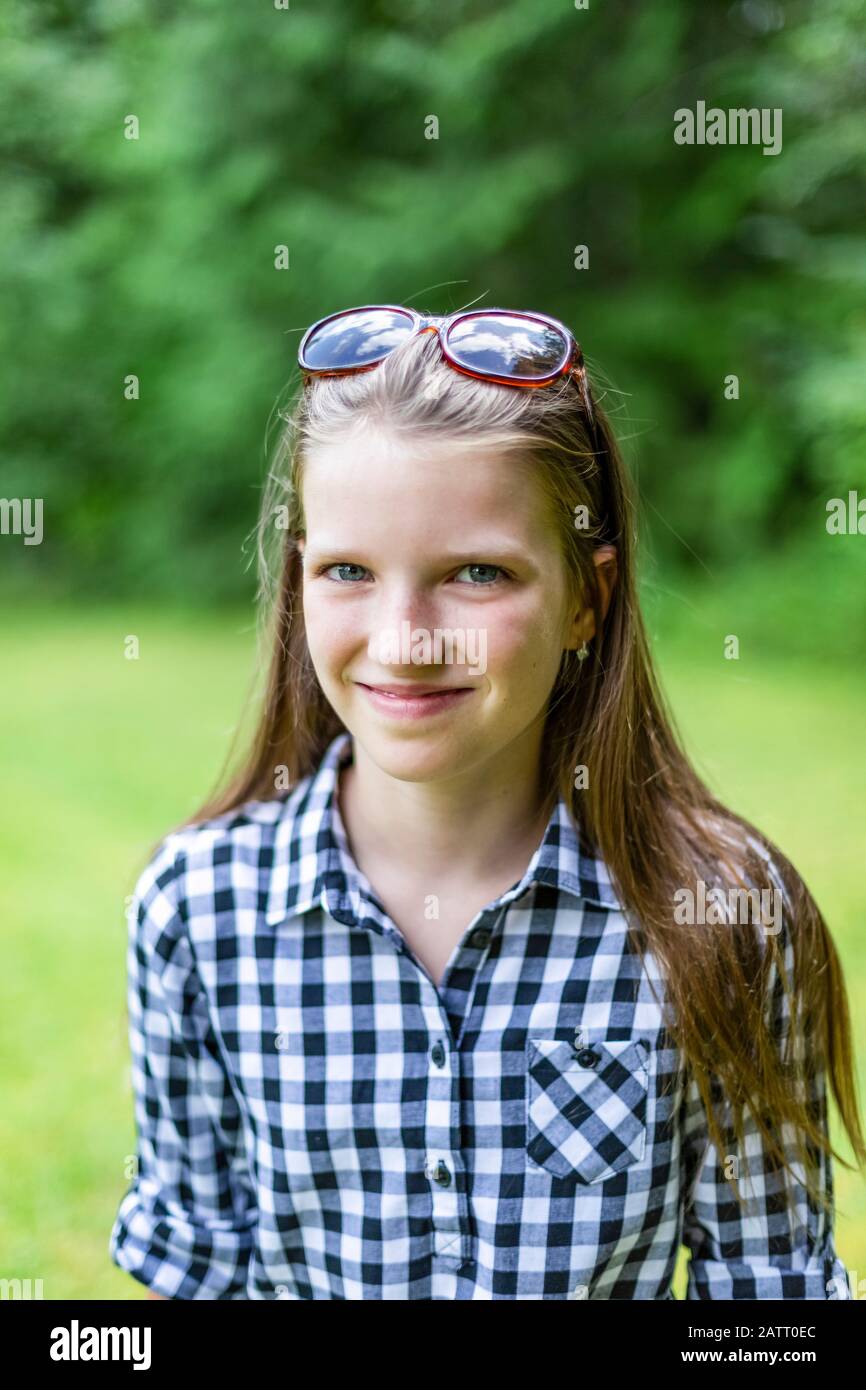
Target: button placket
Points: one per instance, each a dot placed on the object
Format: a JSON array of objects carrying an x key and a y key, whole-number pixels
[
  {"x": 479, "y": 939},
  {"x": 443, "y": 1162},
  {"x": 449, "y": 1241},
  {"x": 472, "y": 964}
]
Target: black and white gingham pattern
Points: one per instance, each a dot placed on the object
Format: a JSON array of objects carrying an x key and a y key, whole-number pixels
[{"x": 316, "y": 1120}]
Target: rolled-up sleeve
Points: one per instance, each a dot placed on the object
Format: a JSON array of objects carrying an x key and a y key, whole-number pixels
[
  {"x": 773, "y": 1248},
  {"x": 185, "y": 1227}
]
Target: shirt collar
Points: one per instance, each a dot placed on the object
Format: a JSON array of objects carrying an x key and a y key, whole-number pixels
[{"x": 312, "y": 863}]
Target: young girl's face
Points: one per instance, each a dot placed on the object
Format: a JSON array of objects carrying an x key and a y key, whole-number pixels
[{"x": 401, "y": 544}]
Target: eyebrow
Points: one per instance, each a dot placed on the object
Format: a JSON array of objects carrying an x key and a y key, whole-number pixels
[{"x": 492, "y": 552}]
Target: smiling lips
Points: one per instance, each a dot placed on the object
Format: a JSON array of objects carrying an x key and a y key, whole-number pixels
[
  {"x": 410, "y": 692},
  {"x": 414, "y": 701}
]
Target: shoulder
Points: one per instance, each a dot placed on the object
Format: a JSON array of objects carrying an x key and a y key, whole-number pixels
[
  {"x": 746, "y": 861},
  {"x": 241, "y": 835},
  {"x": 219, "y": 863},
  {"x": 766, "y": 925},
  {"x": 785, "y": 946}
]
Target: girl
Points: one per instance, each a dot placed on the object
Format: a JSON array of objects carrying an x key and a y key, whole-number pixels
[{"x": 467, "y": 986}]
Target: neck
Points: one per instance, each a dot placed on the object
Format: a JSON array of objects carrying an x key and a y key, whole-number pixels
[{"x": 472, "y": 826}]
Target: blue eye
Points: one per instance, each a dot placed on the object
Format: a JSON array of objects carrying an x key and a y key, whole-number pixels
[
  {"x": 343, "y": 566},
  {"x": 484, "y": 567},
  {"x": 495, "y": 570}
]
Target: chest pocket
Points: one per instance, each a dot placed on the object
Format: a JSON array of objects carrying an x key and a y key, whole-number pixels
[{"x": 586, "y": 1107}]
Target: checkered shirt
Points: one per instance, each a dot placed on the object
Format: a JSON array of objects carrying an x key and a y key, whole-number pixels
[{"x": 316, "y": 1119}]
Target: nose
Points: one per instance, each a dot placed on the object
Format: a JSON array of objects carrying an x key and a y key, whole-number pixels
[
  {"x": 401, "y": 602},
  {"x": 402, "y": 624}
]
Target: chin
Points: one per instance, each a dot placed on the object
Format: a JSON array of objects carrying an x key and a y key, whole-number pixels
[{"x": 413, "y": 756}]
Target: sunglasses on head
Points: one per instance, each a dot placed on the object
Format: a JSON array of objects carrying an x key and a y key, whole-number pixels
[{"x": 505, "y": 346}]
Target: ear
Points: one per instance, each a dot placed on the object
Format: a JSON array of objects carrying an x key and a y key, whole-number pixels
[
  {"x": 300, "y": 544},
  {"x": 583, "y": 627},
  {"x": 606, "y": 566}
]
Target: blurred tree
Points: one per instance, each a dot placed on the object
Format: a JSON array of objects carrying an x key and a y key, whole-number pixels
[{"x": 305, "y": 127}]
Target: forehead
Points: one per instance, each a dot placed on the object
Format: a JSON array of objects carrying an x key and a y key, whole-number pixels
[{"x": 371, "y": 484}]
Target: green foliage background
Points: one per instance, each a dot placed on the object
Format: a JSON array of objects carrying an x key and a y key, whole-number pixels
[{"x": 304, "y": 127}]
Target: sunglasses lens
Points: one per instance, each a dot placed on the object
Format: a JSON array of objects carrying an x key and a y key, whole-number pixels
[
  {"x": 354, "y": 339},
  {"x": 508, "y": 345}
]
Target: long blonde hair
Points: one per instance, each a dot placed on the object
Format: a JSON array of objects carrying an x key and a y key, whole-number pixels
[{"x": 645, "y": 810}]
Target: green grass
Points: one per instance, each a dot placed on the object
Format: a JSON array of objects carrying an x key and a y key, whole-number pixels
[{"x": 103, "y": 755}]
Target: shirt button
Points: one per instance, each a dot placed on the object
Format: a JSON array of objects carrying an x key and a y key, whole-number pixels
[
  {"x": 587, "y": 1058},
  {"x": 441, "y": 1174},
  {"x": 438, "y": 1054},
  {"x": 480, "y": 938}
]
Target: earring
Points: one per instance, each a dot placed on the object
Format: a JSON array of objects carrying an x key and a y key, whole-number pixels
[{"x": 582, "y": 653}]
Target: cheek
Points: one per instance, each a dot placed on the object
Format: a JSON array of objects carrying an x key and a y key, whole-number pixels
[
  {"x": 329, "y": 628},
  {"x": 523, "y": 639},
  {"x": 523, "y": 657}
]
